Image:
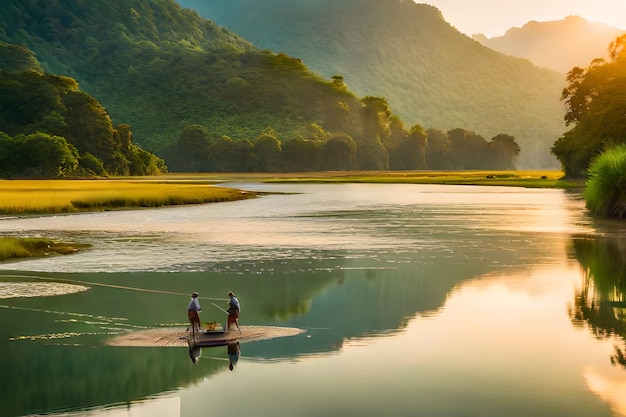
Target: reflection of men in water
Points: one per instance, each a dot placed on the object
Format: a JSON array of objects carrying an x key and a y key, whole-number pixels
[
  {"x": 233, "y": 354},
  {"x": 233, "y": 311},
  {"x": 192, "y": 312},
  {"x": 194, "y": 352}
]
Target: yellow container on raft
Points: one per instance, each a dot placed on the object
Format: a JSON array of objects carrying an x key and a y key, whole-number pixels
[{"x": 212, "y": 325}]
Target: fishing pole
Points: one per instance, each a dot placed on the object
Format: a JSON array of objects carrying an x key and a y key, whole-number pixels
[
  {"x": 98, "y": 284},
  {"x": 220, "y": 308},
  {"x": 237, "y": 324}
]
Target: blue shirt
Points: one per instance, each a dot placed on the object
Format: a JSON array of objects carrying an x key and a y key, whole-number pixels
[
  {"x": 194, "y": 304},
  {"x": 234, "y": 302}
]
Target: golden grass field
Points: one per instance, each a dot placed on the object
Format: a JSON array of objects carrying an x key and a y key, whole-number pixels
[{"x": 68, "y": 196}]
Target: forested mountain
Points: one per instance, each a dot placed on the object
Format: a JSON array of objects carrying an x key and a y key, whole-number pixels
[
  {"x": 160, "y": 68},
  {"x": 560, "y": 45},
  {"x": 206, "y": 99},
  {"x": 430, "y": 73},
  {"x": 49, "y": 128}
]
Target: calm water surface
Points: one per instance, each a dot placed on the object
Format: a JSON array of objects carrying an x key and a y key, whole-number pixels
[{"x": 417, "y": 300}]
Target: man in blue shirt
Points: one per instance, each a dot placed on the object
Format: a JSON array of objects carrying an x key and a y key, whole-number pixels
[{"x": 233, "y": 311}]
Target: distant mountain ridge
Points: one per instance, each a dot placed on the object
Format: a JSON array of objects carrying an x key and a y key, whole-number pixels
[
  {"x": 559, "y": 45},
  {"x": 429, "y": 72}
]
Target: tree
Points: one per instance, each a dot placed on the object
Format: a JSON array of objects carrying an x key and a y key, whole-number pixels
[
  {"x": 123, "y": 137},
  {"x": 502, "y": 152},
  {"x": 91, "y": 165},
  {"x": 301, "y": 154},
  {"x": 8, "y": 155},
  {"x": 340, "y": 153},
  {"x": 416, "y": 141},
  {"x": 375, "y": 118},
  {"x": 595, "y": 100},
  {"x": 33, "y": 102},
  {"x": 25, "y": 99},
  {"x": 89, "y": 126},
  {"x": 191, "y": 152},
  {"x": 376, "y": 130},
  {"x": 337, "y": 117},
  {"x": 245, "y": 153},
  {"x": 143, "y": 162},
  {"x": 467, "y": 149},
  {"x": 437, "y": 150},
  {"x": 406, "y": 149},
  {"x": 338, "y": 81},
  {"x": 268, "y": 149},
  {"x": 43, "y": 155},
  {"x": 225, "y": 155}
]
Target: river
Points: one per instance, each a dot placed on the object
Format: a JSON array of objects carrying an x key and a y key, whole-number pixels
[{"x": 417, "y": 300}]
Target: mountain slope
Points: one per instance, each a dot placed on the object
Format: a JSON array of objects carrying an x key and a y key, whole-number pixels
[
  {"x": 559, "y": 45},
  {"x": 161, "y": 68},
  {"x": 49, "y": 128},
  {"x": 429, "y": 72}
]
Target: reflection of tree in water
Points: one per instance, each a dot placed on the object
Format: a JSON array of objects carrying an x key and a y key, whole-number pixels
[{"x": 601, "y": 302}]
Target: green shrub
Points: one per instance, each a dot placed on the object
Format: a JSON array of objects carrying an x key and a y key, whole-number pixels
[{"x": 605, "y": 191}]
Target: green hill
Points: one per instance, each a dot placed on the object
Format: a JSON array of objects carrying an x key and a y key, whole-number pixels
[
  {"x": 49, "y": 128},
  {"x": 205, "y": 99},
  {"x": 161, "y": 68},
  {"x": 430, "y": 73}
]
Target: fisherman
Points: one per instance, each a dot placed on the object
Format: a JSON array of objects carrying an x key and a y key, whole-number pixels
[
  {"x": 233, "y": 311},
  {"x": 192, "y": 312}
]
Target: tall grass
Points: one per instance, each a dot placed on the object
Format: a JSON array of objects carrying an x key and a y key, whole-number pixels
[
  {"x": 13, "y": 247},
  {"x": 67, "y": 196},
  {"x": 605, "y": 191}
]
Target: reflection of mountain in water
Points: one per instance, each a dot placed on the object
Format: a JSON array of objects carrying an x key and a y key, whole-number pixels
[
  {"x": 336, "y": 296},
  {"x": 367, "y": 296}
]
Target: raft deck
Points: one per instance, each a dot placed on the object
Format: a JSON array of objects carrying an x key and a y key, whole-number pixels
[{"x": 179, "y": 336}]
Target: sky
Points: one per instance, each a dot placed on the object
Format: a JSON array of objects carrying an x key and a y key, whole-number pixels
[{"x": 495, "y": 17}]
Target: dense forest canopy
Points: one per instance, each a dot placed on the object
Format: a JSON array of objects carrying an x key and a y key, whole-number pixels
[
  {"x": 596, "y": 107},
  {"x": 203, "y": 98},
  {"x": 49, "y": 128},
  {"x": 429, "y": 72}
]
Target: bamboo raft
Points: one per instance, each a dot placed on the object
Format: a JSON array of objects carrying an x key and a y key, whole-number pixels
[{"x": 179, "y": 336}]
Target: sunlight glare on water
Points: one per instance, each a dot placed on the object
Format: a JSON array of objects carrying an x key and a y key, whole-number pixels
[
  {"x": 416, "y": 300},
  {"x": 305, "y": 220}
]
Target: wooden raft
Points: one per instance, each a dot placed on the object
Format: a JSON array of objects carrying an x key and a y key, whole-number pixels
[{"x": 179, "y": 336}]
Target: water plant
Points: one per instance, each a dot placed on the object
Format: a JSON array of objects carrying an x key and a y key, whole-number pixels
[
  {"x": 605, "y": 191},
  {"x": 14, "y": 247}
]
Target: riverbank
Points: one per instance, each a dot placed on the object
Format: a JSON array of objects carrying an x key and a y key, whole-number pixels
[
  {"x": 16, "y": 248},
  {"x": 528, "y": 179},
  {"x": 27, "y": 197},
  {"x": 40, "y": 197}
]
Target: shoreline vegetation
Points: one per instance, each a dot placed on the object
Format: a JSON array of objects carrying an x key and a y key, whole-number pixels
[
  {"x": 17, "y": 248},
  {"x": 61, "y": 196},
  {"x": 528, "y": 178},
  {"x": 43, "y": 197}
]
